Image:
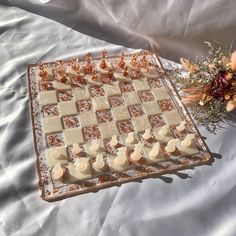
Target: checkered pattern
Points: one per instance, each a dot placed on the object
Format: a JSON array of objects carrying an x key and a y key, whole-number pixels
[{"x": 91, "y": 112}]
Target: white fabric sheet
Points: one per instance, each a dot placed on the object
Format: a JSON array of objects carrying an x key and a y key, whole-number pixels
[{"x": 198, "y": 201}]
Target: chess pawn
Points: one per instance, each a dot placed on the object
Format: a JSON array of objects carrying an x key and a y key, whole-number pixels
[
  {"x": 57, "y": 171},
  {"x": 137, "y": 73},
  {"x": 76, "y": 149},
  {"x": 88, "y": 68},
  {"x": 121, "y": 158},
  {"x": 143, "y": 61},
  {"x": 95, "y": 76},
  {"x": 171, "y": 145},
  {"x": 114, "y": 141},
  {"x": 110, "y": 74},
  {"x": 81, "y": 165},
  {"x": 125, "y": 72},
  {"x": 188, "y": 140},
  {"x": 103, "y": 64},
  {"x": 95, "y": 146},
  {"x": 99, "y": 164},
  {"x": 147, "y": 134},
  {"x": 164, "y": 131},
  {"x": 181, "y": 126},
  {"x": 137, "y": 153},
  {"x": 75, "y": 64},
  {"x": 154, "y": 151},
  {"x": 130, "y": 138},
  {"x": 134, "y": 62},
  {"x": 121, "y": 62}
]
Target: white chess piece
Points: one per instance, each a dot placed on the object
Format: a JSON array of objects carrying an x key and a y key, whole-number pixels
[
  {"x": 57, "y": 171},
  {"x": 81, "y": 165},
  {"x": 76, "y": 149},
  {"x": 164, "y": 130},
  {"x": 95, "y": 145},
  {"x": 181, "y": 126},
  {"x": 99, "y": 163},
  {"x": 121, "y": 158},
  {"x": 130, "y": 138},
  {"x": 114, "y": 141},
  {"x": 188, "y": 140},
  {"x": 154, "y": 151},
  {"x": 137, "y": 153},
  {"x": 171, "y": 145},
  {"x": 147, "y": 134}
]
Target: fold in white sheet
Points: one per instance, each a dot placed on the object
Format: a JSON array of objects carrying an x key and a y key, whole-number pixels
[{"x": 196, "y": 202}]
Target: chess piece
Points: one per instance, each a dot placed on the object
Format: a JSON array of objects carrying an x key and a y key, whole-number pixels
[
  {"x": 95, "y": 145},
  {"x": 76, "y": 149},
  {"x": 181, "y": 126},
  {"x": 88, "y": 68},
  {"x": 110, "y": 74},
  {"x": 99, "y": 164},
  {"x": 125, "y": 72},
  {"x": 164, "y": 131},
  {"x": 138, "y": 73},
  {"x": 95, "y": 77},
  {"x": 75, "y": 64},
  {"x": 147, "y": 134},
  {"x": 103, "y": 64},
  {"x": 134, "y": 61},
  {"x": 121, "y": 158},
  {"x": 130, "y": 138},
  {"x": 60, "y": 72},
  {"x": 143, "y": 60},
  {"x": 81, "y": 165},
  {"x": 153, "y": 154},
  {"x": 121, "y": 62},
  {"x": 57, "y": 171},
  {"x": 137, "y": 153},
  {"x": 114, "y": 141},
  {"x": 188, "y": 140},
  {"x": 171, "y": 145}
]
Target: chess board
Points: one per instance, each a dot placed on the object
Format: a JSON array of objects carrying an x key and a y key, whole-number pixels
[{"x": 69, "y": 108}]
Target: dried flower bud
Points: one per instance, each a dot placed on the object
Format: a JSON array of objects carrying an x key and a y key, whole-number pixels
[
  {"x": 211, "y": 66},
  {"x": 230, "y": 106},
  {"x": 187, "y": 65},
  {"x": 201, "y": 103},
  {"x": 227, "y": 97}
]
